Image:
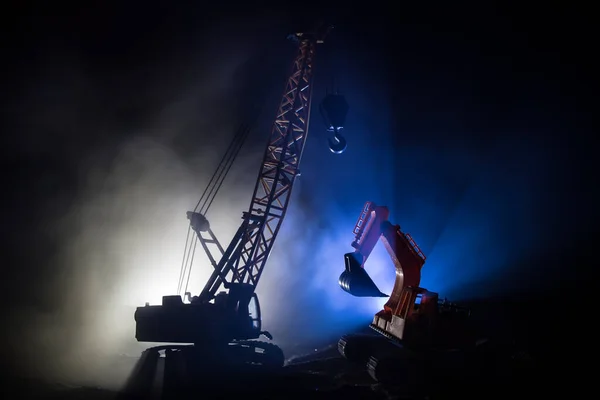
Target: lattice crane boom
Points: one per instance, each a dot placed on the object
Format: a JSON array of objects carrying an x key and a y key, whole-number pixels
[
  {"x": 244, "y": 259},
  {"x": 279, "y": 167}
]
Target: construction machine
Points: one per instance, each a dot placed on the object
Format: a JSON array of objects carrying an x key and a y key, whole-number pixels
[
  {"x": 415, "y": 325},
  {"x": 220, "y": 325}
]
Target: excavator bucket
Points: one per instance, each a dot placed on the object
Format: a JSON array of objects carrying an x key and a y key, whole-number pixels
[{"x": 355, "y": 279}]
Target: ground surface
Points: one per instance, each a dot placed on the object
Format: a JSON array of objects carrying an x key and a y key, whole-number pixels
[
  {"x": 522, "y": 360},
  {"x": 320, "y": 374}
]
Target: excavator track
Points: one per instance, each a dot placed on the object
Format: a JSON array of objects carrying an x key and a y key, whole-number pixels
[
  {"x": 357, "y": 348},
  {"x": 384, "y": 357}
]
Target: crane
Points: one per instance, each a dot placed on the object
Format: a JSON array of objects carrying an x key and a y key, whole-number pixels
[
  {"x": 221, "y": 324},
  {"x": 414, "y": 321}
]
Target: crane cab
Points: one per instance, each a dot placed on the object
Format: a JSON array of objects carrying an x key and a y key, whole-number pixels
[{"x": 242, "y": 306}]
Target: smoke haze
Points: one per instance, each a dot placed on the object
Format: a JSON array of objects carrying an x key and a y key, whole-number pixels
[
  {"x": 124, "y": 152},
  {"x": 115, "y": 134}
]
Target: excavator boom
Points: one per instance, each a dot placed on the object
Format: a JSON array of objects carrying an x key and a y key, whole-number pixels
[{"x": 372, "y": 226}]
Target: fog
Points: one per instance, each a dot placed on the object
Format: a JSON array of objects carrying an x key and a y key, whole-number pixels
[{"x": 126, "y": 150}]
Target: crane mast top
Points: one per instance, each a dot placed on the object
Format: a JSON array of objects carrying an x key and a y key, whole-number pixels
[{"x": 244, "y": 259}]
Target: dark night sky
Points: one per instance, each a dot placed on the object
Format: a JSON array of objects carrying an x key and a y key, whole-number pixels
[{"x": 487, "y": 103}]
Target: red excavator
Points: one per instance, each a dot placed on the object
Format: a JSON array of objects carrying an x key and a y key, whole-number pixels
[{"x": 415, "y": 324}]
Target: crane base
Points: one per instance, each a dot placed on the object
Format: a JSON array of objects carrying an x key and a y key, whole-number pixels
[{"x": 171, "y": 369}]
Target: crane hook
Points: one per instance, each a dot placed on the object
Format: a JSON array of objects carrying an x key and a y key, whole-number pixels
[{"x": 338, "y": 144}]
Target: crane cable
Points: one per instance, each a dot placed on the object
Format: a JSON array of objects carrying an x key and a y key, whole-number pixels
[{"x": 206, "y": 200}]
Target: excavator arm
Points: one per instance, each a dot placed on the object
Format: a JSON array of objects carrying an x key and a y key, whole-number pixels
[
  {"x": 411, "y": 313},
  {"x": 407, "y": 257}
]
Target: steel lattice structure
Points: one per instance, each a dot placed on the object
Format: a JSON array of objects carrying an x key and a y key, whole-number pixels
[
  {"x": 279, "y": 168},
  {"x": 244, "y": 259}
]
